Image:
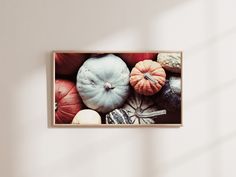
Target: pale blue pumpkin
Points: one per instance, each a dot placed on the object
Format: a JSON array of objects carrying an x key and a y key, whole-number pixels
[{"x": 103, "y": 83}]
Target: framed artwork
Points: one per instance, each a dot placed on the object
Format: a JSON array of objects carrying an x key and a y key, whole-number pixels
[{"x": 117, "y": 89}]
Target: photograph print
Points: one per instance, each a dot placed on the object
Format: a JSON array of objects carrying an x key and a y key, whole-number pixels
[{"x": 117, "y": 88}]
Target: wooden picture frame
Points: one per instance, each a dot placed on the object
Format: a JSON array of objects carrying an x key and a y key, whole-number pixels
[{"x": 65, "y": 71}]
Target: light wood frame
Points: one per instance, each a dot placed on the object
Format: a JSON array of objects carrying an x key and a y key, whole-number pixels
[{"x": 52, "y": 123}]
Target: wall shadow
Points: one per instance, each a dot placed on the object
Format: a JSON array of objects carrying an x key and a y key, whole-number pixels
[
  {"x": 197, "y": 152},
  {"x": 49, "y": 88}
]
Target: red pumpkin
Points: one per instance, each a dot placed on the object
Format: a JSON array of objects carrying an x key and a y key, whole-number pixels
[
  {"x": 97, "y": 55},
  {"x": 68, "y": 63},
  {"x": 132, "y": 58},
  {"x": 67, "y": 101}
]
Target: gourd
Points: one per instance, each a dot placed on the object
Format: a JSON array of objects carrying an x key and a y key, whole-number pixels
[
  {"x": 168, "y": 98},
  {"x": 138, "y": 108},
  {"x": 132, "y": 58},
  {"x": 68, "y": 63},
  {"x": 87, "y": 116},
  {"x": 170, "y": 61},
  {"x": 118, "y": 116},
  {"x": 103, "y": 83},
  {"x": 67, "y": 101},
  {"x": 175, "y": 84},
  {"x": 147, "y": 77}
]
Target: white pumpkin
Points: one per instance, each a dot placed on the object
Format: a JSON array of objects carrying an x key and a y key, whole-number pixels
[
  {"x": 142, "y": 109},
  {"x": 87, "y": 116},
  {"x": 103, "y": 83}
]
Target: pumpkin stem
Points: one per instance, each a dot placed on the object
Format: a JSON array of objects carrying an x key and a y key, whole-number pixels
[
  {"x": 148, "y": 76},
  {"x": 108, "y": 86},
  {"x": 151, "y": 114}
]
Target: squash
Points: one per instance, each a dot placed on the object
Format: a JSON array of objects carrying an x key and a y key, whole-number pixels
[
  {"x": 171, "y": 61},
  {"x": 138, "y": 108},
  {"x": 67, "y": 101},
  {"x": 118, "y": 116},
  {"x": 175, "y": 84},
  {"x": 132, "y": 58},
  {"x": 169, "y": 98},
  {"x": 103, "y": 83},
  {"x": 87, "y": 116},
  {"x": 68, "y": 63},
  {"x": 147, "y": 77}
]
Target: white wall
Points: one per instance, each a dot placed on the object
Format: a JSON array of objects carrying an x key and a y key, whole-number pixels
[{"x": 204, "y": 29}]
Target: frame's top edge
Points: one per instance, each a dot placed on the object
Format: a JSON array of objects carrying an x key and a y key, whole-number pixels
[{"x": 115, "y": 51}]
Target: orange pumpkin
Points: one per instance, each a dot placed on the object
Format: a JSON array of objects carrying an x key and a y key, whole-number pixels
[{"x": 147, "y": 77}]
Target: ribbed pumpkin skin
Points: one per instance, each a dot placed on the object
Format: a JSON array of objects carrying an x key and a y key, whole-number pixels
[
  {"x": 67, "y": 101},
  {"x": 141, "y": 109},
  {"x": 103, "y": 83},
  {"x": 147, "y": 77},
  {"x": 68, "y": 63},
  {"x": 132, "y": 58}
]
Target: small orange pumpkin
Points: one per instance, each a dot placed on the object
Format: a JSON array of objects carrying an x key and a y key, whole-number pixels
[{"x": 147, "y": 77}]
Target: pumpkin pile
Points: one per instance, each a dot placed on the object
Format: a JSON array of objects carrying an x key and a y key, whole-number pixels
[{"x": 119, "y": 88}]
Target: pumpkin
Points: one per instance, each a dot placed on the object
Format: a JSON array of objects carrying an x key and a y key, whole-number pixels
[
  {"x": 140, "y": 110},
  {"x": 147, "y": 77},
  {"x": 132, "y": 58},
  {"x": 97, "y": 55},
  {"x": 118, "y": 116},
  {"x": 68, "y": 63},
  {"x": 67, "y": 101},
  {"x": 87, "y": 116},
  {"x": 170, "y": 61},
  {"x": 169, "y": 98},
  {"x": 103, "y": 83}
]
